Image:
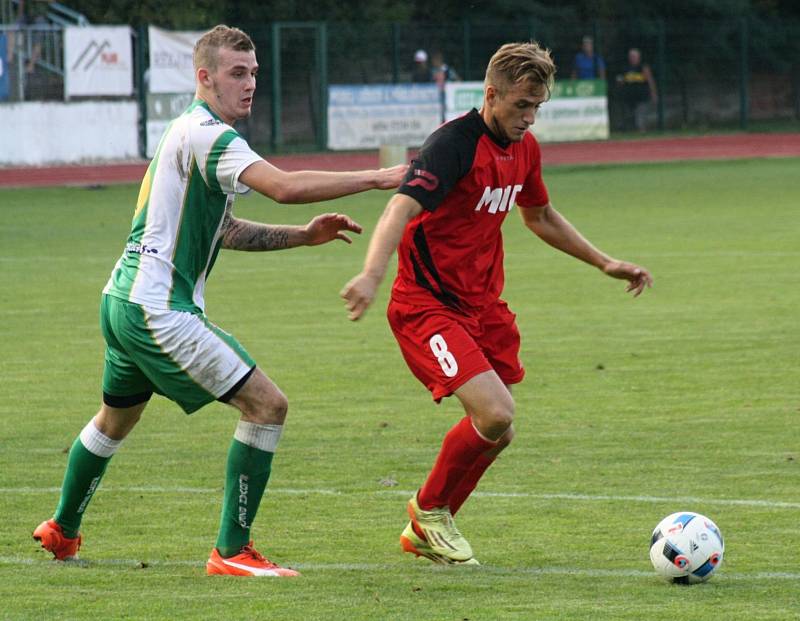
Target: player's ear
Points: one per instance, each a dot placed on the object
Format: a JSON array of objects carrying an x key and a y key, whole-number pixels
[
  {"x": 203, "y": 76},
  {"x": 491, "y": 95}
]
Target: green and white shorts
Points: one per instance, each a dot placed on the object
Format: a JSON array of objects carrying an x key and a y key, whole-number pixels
[{"x": 177, "y": 354}]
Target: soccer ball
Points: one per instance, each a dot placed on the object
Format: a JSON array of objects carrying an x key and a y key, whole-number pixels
[{"x": 686, "y": 548}]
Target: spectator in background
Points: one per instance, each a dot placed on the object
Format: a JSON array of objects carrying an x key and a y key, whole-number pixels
[
  {"x": 587, "y": 65},
  {"x": 25, "y": 45},
  {"x": 637, "y": 90},
  {"x": 421, "y": 71},
  {"x": 442, "y": 73},
  {"x": 15, "y": 46}
]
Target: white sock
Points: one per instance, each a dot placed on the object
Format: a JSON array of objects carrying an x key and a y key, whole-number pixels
[
  {"x": 262, "y": 437},
  {"x": 97, "y": 442}
]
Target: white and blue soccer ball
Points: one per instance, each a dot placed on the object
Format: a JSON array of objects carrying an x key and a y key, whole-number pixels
[{"x": 686, "y": 548}]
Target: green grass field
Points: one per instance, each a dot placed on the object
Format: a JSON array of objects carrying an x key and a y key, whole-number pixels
[{"x": 684, "y": 399}]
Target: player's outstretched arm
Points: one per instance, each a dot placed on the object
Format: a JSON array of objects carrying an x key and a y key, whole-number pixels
[
  {"x": 556, "y": 230},
  {"x": 245, "y": 235},
  {"x": 310, "y": 186},
  {"x": 360, "y": 291}
]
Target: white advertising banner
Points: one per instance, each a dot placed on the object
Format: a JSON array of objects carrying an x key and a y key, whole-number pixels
[
  {"x": 171, "y": 69},
  {"x": 368, "y": 116},
  {"x": 57, "y": 132},
  {"x": 98, "y": 60},
  {"x": 577, "y": 110}
]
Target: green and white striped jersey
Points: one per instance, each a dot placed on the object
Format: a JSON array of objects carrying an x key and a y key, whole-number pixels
[{"x": 176, "y": 230}]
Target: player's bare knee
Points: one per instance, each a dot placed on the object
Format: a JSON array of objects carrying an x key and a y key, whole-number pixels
[
  {"x": 269, "y": 408},
  {"x": 117, "y": 423},
  {"x": 506, "y": 438},
  {"x": 499, "y": 423},
  {"x": 502, "y": 413},
  {"x": 495, "y": 421},
  {"x": 278, "y": 407}
]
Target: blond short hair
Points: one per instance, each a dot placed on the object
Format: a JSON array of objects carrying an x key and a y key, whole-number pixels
[
  {"x": 206, "y": 50},
  {"x": 516, "y": 63}
]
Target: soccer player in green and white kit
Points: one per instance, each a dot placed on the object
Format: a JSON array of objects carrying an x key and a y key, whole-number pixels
[{"x": 158, "y": 338}]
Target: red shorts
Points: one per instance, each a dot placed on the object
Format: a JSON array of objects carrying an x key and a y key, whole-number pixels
[{"x": 444, "y": 349}]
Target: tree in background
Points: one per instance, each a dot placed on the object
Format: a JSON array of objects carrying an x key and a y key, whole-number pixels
[
  {"x": 188, "y": 14},
  {"x": 199, "y": 14},
  {"x": 202, "y": 13}
]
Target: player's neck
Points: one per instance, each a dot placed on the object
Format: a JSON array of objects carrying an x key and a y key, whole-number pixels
[
  {"x": 491, "y": 124},
  {"x": 210, "y": 101}
]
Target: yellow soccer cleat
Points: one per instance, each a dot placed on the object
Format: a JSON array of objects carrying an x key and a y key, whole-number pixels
[
  {"x": 439, "y": 531},
  {"x": 412, "y": 543}
]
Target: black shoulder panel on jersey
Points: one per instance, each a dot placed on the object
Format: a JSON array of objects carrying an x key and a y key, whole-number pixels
[{"x": 446, "y": 157}]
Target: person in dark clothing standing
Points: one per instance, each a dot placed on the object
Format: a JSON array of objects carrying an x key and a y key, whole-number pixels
[{"x": 637, "y": 89}]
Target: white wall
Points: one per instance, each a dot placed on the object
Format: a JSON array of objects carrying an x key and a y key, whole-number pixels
[{"x": 36, "y": 133}]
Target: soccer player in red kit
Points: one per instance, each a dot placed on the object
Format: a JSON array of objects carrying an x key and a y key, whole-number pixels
[{"x": 456, "y": 334}]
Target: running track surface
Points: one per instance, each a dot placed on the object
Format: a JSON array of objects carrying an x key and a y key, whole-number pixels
[{"x": 574, "y": 153}]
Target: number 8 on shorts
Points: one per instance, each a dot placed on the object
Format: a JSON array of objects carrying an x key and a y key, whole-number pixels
[{"x": 446, "y": 359}]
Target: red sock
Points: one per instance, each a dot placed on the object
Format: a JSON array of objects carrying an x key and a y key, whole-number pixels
[
  {"x": 469, "y": 482},
  {"x": 462, "y": 445}
]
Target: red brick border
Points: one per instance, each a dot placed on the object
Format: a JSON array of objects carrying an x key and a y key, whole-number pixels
[{"x": 573, "y": 153}]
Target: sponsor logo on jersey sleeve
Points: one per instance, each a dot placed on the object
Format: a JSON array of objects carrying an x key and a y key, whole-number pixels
[{"x": 426, "y": 180}]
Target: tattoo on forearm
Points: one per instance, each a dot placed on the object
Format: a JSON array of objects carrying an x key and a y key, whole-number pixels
[{"x": 245, "y": 235}]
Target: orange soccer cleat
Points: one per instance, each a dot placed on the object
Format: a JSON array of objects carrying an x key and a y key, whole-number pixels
[
  {"x": 51, "y": 536},
  {"x": 249, "y": 562}
]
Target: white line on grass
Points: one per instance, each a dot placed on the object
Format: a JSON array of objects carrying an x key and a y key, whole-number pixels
[
  {"x": 390, "y": 567},
  {"x": 772, "y": 504},
  {"x": 155, "y": 489}
]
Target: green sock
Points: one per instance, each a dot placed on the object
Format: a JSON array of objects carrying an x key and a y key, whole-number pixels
[
  {"x": 246, "y": 479},
  {"x": 84, "y": 471}
]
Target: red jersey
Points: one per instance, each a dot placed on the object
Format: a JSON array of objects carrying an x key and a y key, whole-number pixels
[{"x": 467, "y": 180}]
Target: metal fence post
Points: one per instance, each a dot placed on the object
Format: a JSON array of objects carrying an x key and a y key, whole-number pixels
[
  {"x": 322, "y": 68},
  {"x": 19, "y": 48},
  {"x": 744, "y": 71},
  {"x": 142, "y": 86},
  {"x": 467, "y": 37},
  {"x": 395, "y": 52},
  {"x": 661, "y": 74},
  {"x": 276, "y": 139}
]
